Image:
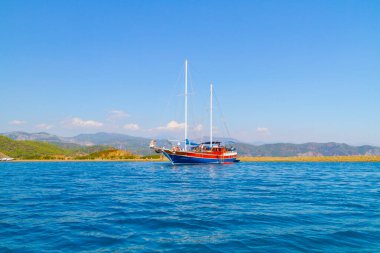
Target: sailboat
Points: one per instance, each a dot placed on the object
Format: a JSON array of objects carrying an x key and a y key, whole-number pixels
[{"x": 194, "y": 153}]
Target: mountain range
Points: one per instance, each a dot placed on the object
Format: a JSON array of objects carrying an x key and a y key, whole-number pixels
[
  {"x": 140, "y": 145},
  {"x": 137, "y": 145}
]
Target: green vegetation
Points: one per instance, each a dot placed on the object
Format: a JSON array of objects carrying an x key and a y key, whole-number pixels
[
  {"x": 91, "y": 143},
  {"x": 107, "y": 147},
  {"x": 111, "y": 154},
  {"x": 31, "y": 149},
  {"x": 80, "y": 149},
  {"x": 39, "y": 150},
  {"x": 154, "y": 156}
]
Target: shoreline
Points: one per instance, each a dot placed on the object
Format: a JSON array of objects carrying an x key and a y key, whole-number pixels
[
  {"x": 311, "y": 159},
  {"x": 242, "y": 159},
  {"x": 89, "y": 160}
]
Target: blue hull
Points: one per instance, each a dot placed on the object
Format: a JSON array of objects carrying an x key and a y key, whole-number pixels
[{"x": 180, "y": 159}]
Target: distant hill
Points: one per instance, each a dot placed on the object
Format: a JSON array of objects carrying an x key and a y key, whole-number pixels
[
  {"x": 87, "y": 142},
  {"x": 41, "y": 136},
  {"x": 30, "y": 149},
  {"x": 111, "y": 154},
  {"x": 90, "y": 143},
  {"x": 307, "y": 149},
  {"x": 134, "y": 144},
  {"x": 3, "y": 155}
]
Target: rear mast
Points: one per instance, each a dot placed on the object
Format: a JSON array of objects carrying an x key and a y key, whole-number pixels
[
  {"x": 186, "y": 105},
  {"x": 211, "y": 115}
]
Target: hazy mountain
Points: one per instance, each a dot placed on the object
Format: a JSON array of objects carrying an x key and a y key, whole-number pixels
[
  {"x": 217, "y": 138},
  {"x": 140, "y": 145},
  {"x": 134, "y": 144},
  {"x": 137, "y": 145},
  {"x": 24, "y": 136},
  {"x": 306, "y": 149},
  {"x": 106, "y": 138}
]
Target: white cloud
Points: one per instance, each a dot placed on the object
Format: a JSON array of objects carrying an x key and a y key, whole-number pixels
[
  {"x": 80, "y": 123},
  {"x": 117, "y": 115},
  {"x": 131, "y": 126},
  {"x": 198, "y": 127},
  {"x": 44, "y": 126},
  {"x": 262, "y": 130},
  {"x": 172, "y": 125},
  {"x": 16, "y": 122}
]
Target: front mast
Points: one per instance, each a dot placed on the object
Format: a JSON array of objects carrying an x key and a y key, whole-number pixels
[
  {"x": 186, "y": 105},
  {"x": 211, "y": 115}
]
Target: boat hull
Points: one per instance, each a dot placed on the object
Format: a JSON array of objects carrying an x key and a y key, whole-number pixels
[{"x": 199, "y": 158}]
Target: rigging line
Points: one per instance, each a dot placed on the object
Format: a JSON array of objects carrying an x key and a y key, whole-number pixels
[
  {"x": 206, "y": 109},
  {"x": 195, "y": 120},
  {"x": 173, "y": 87},
  {"x": 190, "y": 76},
  {"x": 203, "y": 107},
  {"x": 222, "y": 115},
  {"x": 201, "y": 119},
  {"x": 172, "y": 98},
  {"x": 191, "y": 86}
]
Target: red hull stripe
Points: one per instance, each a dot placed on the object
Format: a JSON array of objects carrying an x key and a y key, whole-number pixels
[{"x": 213, "y": 155}]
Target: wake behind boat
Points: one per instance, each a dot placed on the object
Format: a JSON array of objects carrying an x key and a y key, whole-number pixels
[{"x": 193, "y": 153}]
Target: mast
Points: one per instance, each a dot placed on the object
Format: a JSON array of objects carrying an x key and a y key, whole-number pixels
[
  {"x": 211, "y": 115},
  {"x": 186, "y": 105}
]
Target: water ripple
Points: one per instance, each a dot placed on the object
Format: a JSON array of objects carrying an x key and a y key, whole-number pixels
[{"x": 155, "y": 207}]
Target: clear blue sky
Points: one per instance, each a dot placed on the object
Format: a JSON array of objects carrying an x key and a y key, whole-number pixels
[{"x": 288, "y": 71}]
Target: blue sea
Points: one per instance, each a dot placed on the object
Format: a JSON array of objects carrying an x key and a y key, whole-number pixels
[{"x": 157, "y": 207}]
